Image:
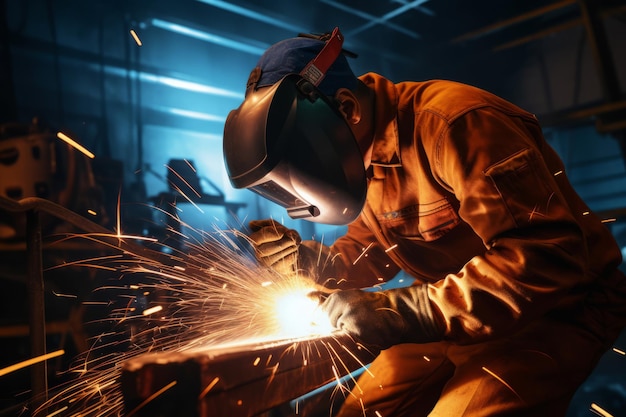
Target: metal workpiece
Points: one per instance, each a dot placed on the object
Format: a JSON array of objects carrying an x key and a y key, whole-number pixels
[{"x": 236, "y": 381}]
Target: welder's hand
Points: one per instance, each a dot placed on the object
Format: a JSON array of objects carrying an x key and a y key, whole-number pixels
[
  {"x": 384, "y": 318},
  {"x": 275, "y": 245}
]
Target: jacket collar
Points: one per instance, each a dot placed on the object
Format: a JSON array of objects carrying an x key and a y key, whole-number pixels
[{"x": 386, "y": 150}]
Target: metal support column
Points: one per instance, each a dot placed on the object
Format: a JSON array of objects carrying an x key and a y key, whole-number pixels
[{"x": 36, "y": 308}]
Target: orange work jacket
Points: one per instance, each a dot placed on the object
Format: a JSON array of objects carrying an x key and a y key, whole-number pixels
[{"x": 466, "y": 196}]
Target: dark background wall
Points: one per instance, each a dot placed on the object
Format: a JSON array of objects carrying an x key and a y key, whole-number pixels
[{"x": 75, "y": 66}]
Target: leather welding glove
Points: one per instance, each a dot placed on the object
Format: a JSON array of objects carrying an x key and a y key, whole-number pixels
[
  {"x": 383, "y": 318},
  {"x": 275, "y": 245}
]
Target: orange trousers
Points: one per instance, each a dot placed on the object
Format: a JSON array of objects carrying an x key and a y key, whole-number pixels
[{"x": 532, "y": 373}]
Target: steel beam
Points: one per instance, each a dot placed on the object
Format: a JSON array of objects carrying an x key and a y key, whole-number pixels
[
  {"x": 238, "y": 381},
  {"x": 600, "y": 49},
  {"x": 495, "y": 27},
  {"x": 37, "y": 313}
]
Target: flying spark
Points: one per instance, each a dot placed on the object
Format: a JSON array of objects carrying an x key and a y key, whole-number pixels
[
  {"x": 75, "y": 144},
  {"x": 152, "y": 397},
  {"x": 600, "y": 411},
  {"x": 391, "y": 248},
  {"x": 363, "y": 253},
  {"x": 208, "y": 387},
  {"x": 30, "y": 362},
  {"x": 210, "y": 294},
  {"x": 493, "y": 374},
  {"x": 152, "y": 310},
  {"x": 135, "y": 37}
]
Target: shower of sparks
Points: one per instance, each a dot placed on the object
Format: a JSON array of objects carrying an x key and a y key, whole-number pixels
[
  {"x": 30, "y": 362},
  {"x": 210, "y": 294},
  {"x": 75, "y": 144},
  {"x": 135, "y": 37}
]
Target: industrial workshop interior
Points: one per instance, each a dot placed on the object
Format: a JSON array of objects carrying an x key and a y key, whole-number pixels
[{"x": 122, "y": 240}]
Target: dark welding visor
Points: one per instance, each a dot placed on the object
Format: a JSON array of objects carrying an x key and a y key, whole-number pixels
[{"x": 290, "y": 144}]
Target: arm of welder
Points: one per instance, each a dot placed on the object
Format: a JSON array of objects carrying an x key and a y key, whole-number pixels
[
  {"x": 275, "y": 245},
  {"x": 282, "y": 249},
  {"x": 537, "y": 257},
  {"x": 381, "y": 319}
]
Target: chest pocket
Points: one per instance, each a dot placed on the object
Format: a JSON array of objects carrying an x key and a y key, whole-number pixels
[{"x": 425, "y": 222}]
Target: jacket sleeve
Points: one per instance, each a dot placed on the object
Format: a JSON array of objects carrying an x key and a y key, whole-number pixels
[
  {"x": 355, "y": 260},
  {"x": 536, "y": 258}
]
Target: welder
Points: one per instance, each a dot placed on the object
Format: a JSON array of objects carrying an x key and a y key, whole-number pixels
[{"x": 517, "y": 290}]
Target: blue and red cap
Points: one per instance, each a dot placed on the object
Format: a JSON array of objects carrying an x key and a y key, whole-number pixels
[{"x": 303, "y": 55}]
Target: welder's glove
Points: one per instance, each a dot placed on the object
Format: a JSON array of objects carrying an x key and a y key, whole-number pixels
[
  {"x": 384, "y": 318},
  {"x": 275, "y": 245}
]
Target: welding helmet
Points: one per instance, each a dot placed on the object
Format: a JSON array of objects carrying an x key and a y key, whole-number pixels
[{"x": 289, "y": 142}]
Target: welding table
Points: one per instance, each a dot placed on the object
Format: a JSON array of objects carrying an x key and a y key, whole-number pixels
[{"x": 237, "y": 381}]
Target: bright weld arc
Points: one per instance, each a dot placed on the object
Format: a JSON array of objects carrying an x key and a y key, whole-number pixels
[{"x": 75, "y": 144}]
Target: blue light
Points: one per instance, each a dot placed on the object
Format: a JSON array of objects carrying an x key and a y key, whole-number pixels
[
  {"x": 189, "y": 85},
  {"x": 253, "y": 15},
  {"x": 196, "y": 115},
  {"x": 343, "y": 380},
  {"x": 170, "y": 81},
  {"x": 207, "y": 37}
]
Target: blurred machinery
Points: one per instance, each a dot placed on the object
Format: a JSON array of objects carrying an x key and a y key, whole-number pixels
[
  {"x": 186, "y": 186},
  {"x": 34, "y": 163}
]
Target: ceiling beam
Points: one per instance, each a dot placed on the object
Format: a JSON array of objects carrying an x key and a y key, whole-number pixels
[
  {"x": 254, "y": 15},
  {"x": 603, "y": 58},
  {"x": 512, "y": 21},
  {"x": 374, "y": 20}
]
